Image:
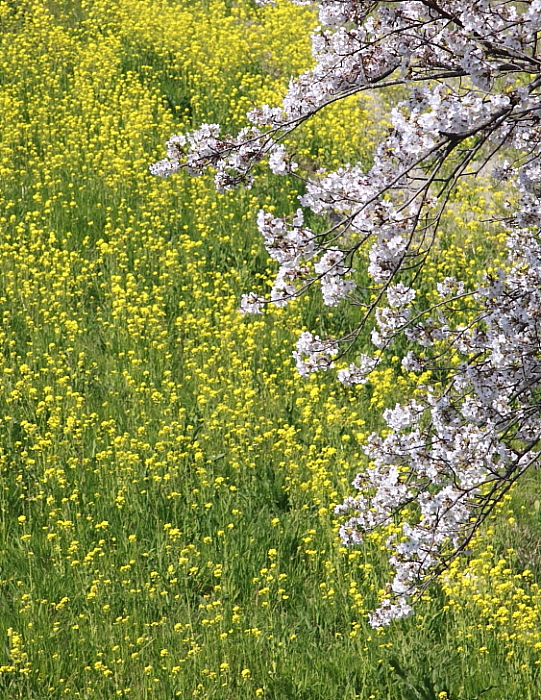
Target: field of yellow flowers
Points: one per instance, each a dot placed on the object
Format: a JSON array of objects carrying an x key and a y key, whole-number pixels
[{"x": 166, "y": 481}]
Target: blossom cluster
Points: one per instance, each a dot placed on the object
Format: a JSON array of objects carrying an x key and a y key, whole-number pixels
[{"x": 473, "y": 74}]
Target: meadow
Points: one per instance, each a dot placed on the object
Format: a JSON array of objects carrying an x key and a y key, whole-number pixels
[{"x": 167, "y": 482}]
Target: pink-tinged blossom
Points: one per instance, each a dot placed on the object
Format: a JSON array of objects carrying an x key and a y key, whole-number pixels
[
  {"x": 331, "y": 270},
  {"x": 279, "y": 161},
  {"x": 287, "y": 242},
  {"x": 313, "y": 354},
  {"x": 411, "y": 363},
  {"x": 358, "y": 373},
  {"x": 389, "y": 611},
  {"x": 284, "y": 288},
  {"x": 399, "y": 295},
  {"x": 251, "y": 304}
]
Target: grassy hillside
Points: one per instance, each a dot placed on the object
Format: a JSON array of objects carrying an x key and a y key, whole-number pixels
[{"x": 167, "y": 481}]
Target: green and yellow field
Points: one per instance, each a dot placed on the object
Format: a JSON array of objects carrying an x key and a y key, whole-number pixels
[{"x": 167, "y": 481}]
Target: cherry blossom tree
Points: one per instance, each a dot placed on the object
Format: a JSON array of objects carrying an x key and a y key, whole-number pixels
[{"x": 470, "y": 77}]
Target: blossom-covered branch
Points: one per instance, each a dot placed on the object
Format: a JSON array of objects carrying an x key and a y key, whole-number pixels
[{"x": 472, "y": 74}]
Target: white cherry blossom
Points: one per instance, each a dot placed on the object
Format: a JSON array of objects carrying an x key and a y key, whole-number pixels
[{"x": 470, "y": 72}]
